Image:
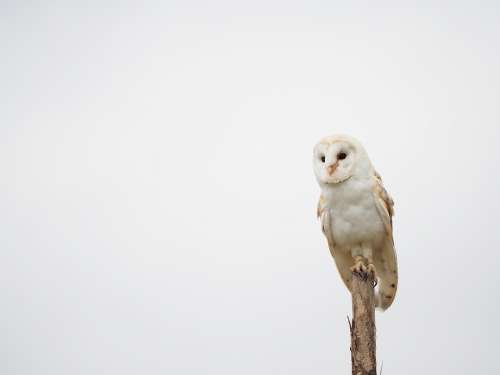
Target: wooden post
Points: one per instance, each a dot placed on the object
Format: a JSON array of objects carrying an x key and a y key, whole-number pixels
[{"x": 363, "y": 344}]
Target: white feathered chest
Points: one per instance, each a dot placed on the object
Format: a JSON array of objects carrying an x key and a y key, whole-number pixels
[{"x": 355, "y": 220}]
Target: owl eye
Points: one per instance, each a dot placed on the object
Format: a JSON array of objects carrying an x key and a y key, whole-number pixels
[
  {"x": 341, "y": 155},
  {"x": 322, "y": 158}
]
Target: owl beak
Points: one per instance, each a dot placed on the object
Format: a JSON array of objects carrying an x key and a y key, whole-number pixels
[{"x": 332, "y": 168}]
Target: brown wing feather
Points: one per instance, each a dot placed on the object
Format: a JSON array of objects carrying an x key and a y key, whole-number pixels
[
  {"x": 386, "y": 261},
  {"x": 385, "y": 204}
]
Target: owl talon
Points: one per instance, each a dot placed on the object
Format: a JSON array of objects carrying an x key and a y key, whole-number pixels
[
  {"x": 359, "y": 267},
  {"x": 372, "y": 272},
  {"x": 365, "y": 271}
]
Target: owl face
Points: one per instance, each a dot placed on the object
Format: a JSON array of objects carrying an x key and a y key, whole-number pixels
[{"x": 335, "y": 159}]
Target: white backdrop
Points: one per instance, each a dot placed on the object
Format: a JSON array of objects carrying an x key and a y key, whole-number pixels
[{"x": 157, "y": 199}]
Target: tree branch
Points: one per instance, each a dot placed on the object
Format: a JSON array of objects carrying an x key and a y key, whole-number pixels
[{"x": 362, "y": 327}]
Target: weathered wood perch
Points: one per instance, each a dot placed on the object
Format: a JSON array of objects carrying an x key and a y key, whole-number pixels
[{"x": 362, "y": 327}]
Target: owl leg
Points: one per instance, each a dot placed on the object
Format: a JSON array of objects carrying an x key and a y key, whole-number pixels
[
  {"x": 359, "y": 265},
  {"x": 359, "y": 260},
  {"x": 370, "y": 268},
  {"x": 363, "y": 262}
]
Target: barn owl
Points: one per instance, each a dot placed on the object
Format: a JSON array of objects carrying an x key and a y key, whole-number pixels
[{"x": 356, "y": 214}]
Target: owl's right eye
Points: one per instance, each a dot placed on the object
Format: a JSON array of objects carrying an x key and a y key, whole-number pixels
[{"x": 322, "y": 158}]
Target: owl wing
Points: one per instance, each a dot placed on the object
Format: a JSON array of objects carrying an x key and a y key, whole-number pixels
[
  {"x": 384, "y": 202},
  {"x": 385, "y": 259},
  {"x": 343, "y": 260}
]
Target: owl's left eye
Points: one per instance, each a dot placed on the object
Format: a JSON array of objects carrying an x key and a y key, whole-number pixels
[{"x": 322, "y": 158}]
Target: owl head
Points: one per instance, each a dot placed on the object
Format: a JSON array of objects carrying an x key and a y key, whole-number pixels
[{"x": 338, "y": 158}]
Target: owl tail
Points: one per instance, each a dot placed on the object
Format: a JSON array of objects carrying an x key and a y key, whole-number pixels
[
  {"x": 387, "y": 272},
  {"x": 385, "y": 294}
]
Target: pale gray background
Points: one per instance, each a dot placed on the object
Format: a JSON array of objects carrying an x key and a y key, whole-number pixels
[{"x": 158, "y": 202}]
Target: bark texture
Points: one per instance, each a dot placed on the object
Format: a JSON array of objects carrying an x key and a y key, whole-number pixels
[{"x": 363, "y": 343}]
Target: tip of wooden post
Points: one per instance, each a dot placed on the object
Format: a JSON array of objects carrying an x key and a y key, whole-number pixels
[{"x": 362, "y": 327}]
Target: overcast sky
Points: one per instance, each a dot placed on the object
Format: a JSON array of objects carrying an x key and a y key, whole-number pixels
[{"x": 157, "y": 199}]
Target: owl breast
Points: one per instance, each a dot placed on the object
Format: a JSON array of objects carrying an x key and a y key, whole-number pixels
[{"x": 354, "y": 216}]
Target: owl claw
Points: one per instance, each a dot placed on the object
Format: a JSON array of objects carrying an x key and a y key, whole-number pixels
[
  {"x": 372, "y": 273},
  {"x": 364, "y": 271},
  {"x": 359, "y": 267}
]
